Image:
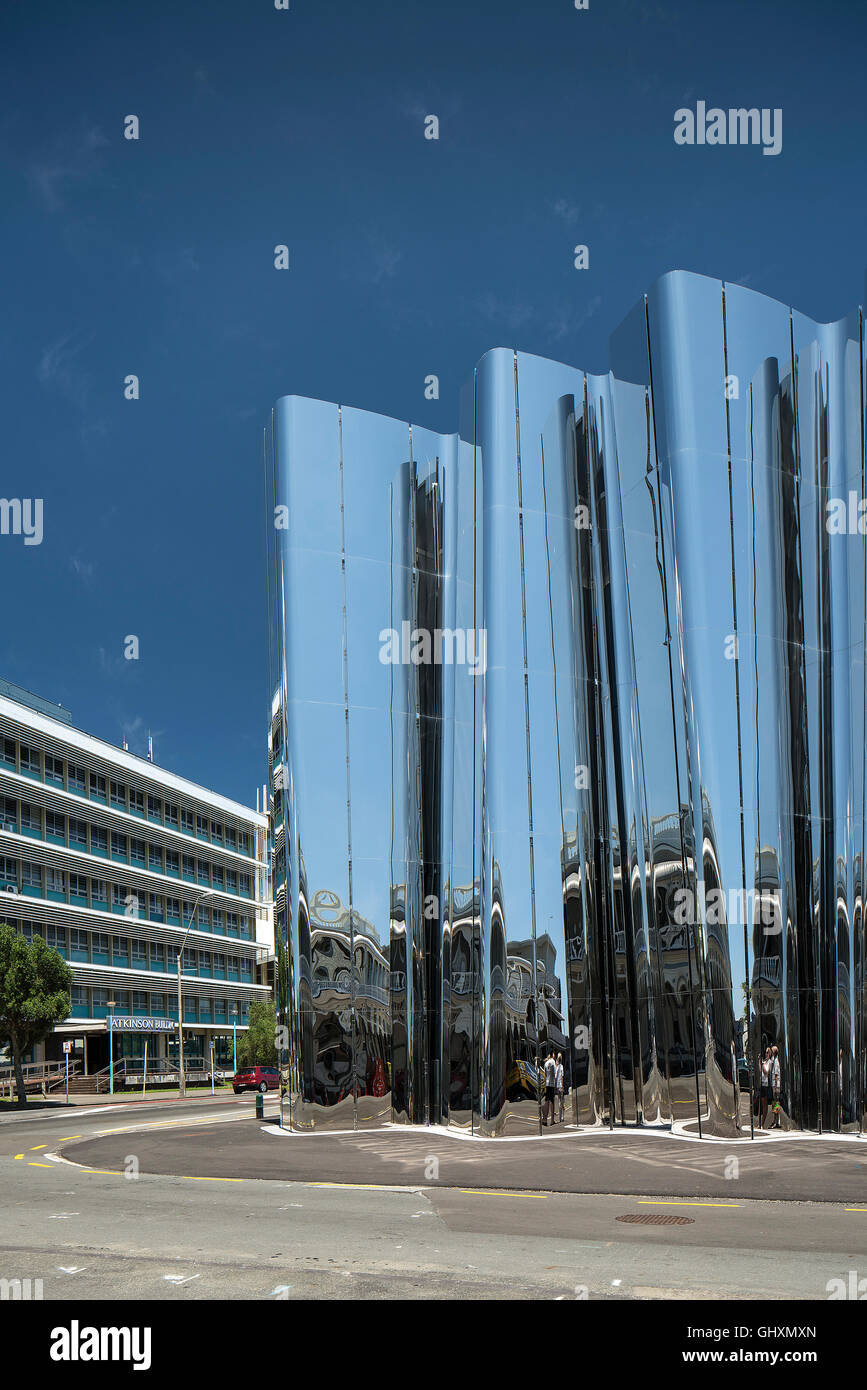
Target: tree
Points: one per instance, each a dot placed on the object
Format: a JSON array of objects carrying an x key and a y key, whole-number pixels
[
  {"x": 258, "y": 1046},
  {"x": 35, "y": 982}
]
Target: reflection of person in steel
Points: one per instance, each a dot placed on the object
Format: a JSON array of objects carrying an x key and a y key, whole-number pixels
[
  {"x": 550, "y": 1089},
  {"x": 559, "y": 1083},
  {"x": 379, "y": 1079}
]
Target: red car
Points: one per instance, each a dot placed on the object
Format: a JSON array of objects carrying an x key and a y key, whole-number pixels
[{"x": 256, "y": 1079}]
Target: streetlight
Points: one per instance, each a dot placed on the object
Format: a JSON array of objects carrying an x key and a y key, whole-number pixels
[
  {"x": 182, "y": 1086},
  {"x": 111, "y": 1004},
  {"x": 234, "y": 1013}
]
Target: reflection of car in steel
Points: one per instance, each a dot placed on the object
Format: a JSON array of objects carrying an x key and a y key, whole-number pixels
[
  {"x": 522, "y": 1080},
  {"x": 256, "y": 1079}
]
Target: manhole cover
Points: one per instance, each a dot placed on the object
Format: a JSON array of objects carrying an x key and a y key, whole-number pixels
[{"x": 656, "y": 1218}]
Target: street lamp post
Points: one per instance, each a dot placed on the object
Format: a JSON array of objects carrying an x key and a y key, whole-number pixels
[
  {"x": 181, "y": 1078},
  {"x": 234, "y": 1047},
  {"x": 112, "y": 1003}
]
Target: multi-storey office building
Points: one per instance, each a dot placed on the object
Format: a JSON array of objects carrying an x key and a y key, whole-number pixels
[
  {"x": 109, "y": 858},
  {"x": 570, "y": 714}
]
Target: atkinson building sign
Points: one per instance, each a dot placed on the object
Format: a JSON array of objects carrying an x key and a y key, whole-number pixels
[{"x": 144, "y": 1025}]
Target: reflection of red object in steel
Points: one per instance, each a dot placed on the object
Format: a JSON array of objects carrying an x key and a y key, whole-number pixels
[{"x": 379, "y": 1079}]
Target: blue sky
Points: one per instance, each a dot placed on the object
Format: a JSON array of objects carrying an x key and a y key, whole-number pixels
[{"x": 408, "y": 257}]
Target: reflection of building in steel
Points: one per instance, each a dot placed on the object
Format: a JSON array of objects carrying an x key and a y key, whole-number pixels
[{"x": 469, "y": 872}]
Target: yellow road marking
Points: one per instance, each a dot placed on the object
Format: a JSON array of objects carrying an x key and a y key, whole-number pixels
[
  {"x": 63, "y": 1138},
  {"x": 855, "y": 1208},
  {"x": 649, "y": 1202},
  {"x": 31, "y": 1164},
  {"x": 481, "y": 1192},
  {"x": 19, "y": 1155},
  {"x": 36, "y": 1147},
  {"x": 191, "y": 1177}
]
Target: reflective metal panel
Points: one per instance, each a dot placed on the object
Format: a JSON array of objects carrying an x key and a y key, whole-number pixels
[{"x": 567, "y": 739}]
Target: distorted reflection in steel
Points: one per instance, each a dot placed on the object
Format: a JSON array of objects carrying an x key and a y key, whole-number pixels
[{"x": 567, "y": 736}]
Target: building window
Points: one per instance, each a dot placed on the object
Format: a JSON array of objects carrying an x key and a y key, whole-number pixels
[
  {"x": 78, "y": 886},
  {"x": 7, "y": 751},
  {"x": 158, "y": 956},
  {"x": 158, "y": 1004},
  {"x": 187, "y": 823},
  {"x": 53, "y": 769},
  {"x": 98, "y": 840},
  {"x": 55, "y": 827},
  {"x": 98, "y": 894},
  {"x": 171, "y": 815},
  {"x": 219, "y": 918},
  {"x": 8, "y": 813},
  {"x": 75, "y": 779},
  {"x": 139, "y": 955},
  {"x": 31, "y": 761},
  {"x": 118, "y": 846},
  {"x": 244, "y": 885},
  {"x": 139, "y": 1001},
  {"x": 217, "y": 876},
  {"x": 202, "y": 828},
  {"x": 136, "y": 851},
  {"x": 117, "y": 792},
  {"x": 155, "y": 907},
  {"x": 136, "y": 802},
  {"x": 55, "y": 937},
  {"x": 120, "y": 950},
  {"x": 8, "y": 873},
  {"x": 97, "y": 787},
  {"x": 231, "y": 881},
  {"x": 173, "y": 910},
  {"x": 31, "y": 820},
  {"x": 155, "y": 858},
  {"x": 204, "y": 962},
  {"x": 246, "y": 973},
  {"x": 189, "y": 867},
  {"x": 99, "y": 945},
  {"x": 230, "y": 837},
  {"x": 78, "y": 995},
  {"x": 203, "y": 874},
  {"x": 155, "y": 809},
  {"x": 216, "y": 833},
  {"x": 77, "y": 833},
  {"x": 31, "y": 875},
  {"x": 78, "y": 945}
]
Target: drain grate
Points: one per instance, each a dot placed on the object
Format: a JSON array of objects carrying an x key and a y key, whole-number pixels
[{"x": 656, "y": 1218}]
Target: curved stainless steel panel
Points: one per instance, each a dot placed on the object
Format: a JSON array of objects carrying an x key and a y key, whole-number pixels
[{"x": 567, "y": 743}]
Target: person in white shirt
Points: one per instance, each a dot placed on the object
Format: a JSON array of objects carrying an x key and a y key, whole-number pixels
[
  {"x": 775, "y": 1087},
  {"x": 550, "y": 1089},
  {"x": 765, "y": 1094},
  {"x": 558, "y": 1082}
]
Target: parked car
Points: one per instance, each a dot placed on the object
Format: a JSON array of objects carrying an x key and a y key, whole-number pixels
[{"x": 256, "y": 1079}]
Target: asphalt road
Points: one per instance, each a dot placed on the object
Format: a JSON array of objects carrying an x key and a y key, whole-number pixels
[{"x": 484, "y": 1228}]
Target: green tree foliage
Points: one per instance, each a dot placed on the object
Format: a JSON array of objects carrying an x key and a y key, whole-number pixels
[
  {"x": 258, "y": 1046},
  {"x": 35, "y": 982}
]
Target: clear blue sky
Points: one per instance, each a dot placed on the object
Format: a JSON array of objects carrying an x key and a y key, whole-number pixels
[{"x": 409, "y": 257}]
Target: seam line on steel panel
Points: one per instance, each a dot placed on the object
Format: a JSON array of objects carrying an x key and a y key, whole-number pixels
[
  {"x": 690, "y": 932},
  {"x": 352, "y": 1035},
  {"x": 527, "y": 722},
  {"x": 737, "y": 659}
]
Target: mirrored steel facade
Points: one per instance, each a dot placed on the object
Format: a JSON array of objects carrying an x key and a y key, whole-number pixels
[{"x": 567, "y": 734}]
